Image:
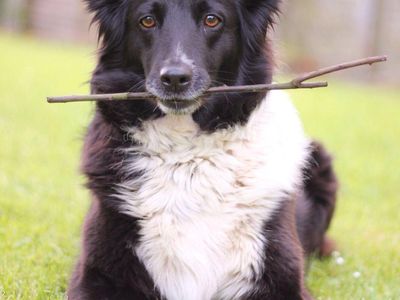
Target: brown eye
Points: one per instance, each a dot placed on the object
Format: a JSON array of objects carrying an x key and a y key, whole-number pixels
[
  {"x": 148, "y": 22},
  {"x": 212, "y": 21}
]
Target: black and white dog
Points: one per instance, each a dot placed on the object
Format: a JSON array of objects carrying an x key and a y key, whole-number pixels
[{"x": 197, "y": 197}]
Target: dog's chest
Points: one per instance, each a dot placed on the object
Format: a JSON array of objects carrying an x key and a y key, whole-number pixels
[{"x": 202, "y": 201}]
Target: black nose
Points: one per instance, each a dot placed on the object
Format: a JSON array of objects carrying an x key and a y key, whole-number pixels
[{"x": 176, "y": 78}]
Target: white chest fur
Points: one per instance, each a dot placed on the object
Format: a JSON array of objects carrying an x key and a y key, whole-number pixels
[{"x": 203, "y": 198}]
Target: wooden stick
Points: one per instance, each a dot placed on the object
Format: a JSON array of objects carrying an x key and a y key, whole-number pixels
[
  {"x": 365, "y": 61},
  {"x": 297, "y": 83},
  {"x": 215, "y": 90}
]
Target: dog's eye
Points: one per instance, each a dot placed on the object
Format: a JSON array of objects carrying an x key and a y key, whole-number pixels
[
  {"x": 212, "y": 21},
  {"x": 148, "y": 22}
]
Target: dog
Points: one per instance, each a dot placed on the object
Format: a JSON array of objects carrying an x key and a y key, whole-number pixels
[{"x": 195, "y": 196}]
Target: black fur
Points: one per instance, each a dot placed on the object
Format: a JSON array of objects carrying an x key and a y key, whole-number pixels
[
  {"x": 129, "y": 60},
  {"x": 314, "y": 217},
  {"x": 108, "y": 269},
  {"x": 283, "y": 276}
]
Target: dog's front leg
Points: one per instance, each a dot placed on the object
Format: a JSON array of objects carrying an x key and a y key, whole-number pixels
[
  {"x": 108, "y": 268},
  {"x": 282, "y": 277},
  {"x": 89, "y": 284}
]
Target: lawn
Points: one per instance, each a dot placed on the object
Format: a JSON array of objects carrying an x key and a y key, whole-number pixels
[{"x": 42, "y": 202}]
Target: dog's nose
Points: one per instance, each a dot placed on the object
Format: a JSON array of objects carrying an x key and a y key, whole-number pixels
[{"x": 176, "y": 78}]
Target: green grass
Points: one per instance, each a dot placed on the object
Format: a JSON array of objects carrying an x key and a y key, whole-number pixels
[
  {"x": 361, "y": 126},
  {"x": 42, "y": 203}
]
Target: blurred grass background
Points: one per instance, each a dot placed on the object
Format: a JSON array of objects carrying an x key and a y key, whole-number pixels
[{"x": 42, "y": 201}]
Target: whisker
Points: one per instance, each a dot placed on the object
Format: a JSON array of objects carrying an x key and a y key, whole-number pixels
[{"x": 137, "y": 85}]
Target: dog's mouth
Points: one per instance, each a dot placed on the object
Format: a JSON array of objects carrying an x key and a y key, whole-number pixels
[
  {"x": 179, "y": 106},
  {"x": 185, "y": 101}
]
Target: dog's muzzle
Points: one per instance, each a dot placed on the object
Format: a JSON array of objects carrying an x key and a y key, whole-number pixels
[{"x": 178, "y": 87}]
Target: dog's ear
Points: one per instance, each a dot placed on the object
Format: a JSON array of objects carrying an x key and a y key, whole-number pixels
[
  {"x": 257, "y": 17},
  {"x": 110, "y": 15}
]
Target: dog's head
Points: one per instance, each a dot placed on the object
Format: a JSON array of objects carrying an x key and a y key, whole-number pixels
[{"x": 177, "y": 49}]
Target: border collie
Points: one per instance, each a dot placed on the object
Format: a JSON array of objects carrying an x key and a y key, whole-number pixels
[{"x": 197, "y": 197}]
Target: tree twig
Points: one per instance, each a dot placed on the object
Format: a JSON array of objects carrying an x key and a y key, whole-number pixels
[
  {"x": 297, "y": 83},
  {"x": 344, "y": 66}
]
